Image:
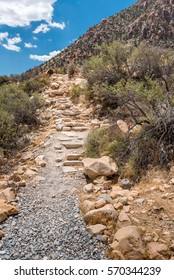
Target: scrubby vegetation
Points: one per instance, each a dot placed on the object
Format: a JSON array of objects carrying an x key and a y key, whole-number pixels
[
  {"x": 135, "y": 84},
  {"x": 18, "y": 112}
]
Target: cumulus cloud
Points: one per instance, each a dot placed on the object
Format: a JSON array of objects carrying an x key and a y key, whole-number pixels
[
  {"x": 44, "y": 57},
  {"x": 10, "y": 43},
  {"x": 29, "y": 45},
  {"x": 41, "y": 28},
  {"x": 57, "y": 25},
  {"x": 21, "y": 13},
  {"x": 3, "y": 35},
  {"x": 45, "y": 27}
]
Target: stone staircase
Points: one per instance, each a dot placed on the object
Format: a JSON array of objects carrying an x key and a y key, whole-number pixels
[{"x": 71, "y": 122}]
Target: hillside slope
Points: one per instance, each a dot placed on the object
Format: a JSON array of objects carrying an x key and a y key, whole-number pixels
[{"x": 149, "y": 20}]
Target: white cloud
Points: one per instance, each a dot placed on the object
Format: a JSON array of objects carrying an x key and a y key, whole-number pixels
[
  {"x": 11, "y": 47},
  {"x": 47, "y": 26},
  {"x": 3, "y": 35},
  {"x": 29, "y": 45},
  {"x": 10, "y": 43},
  {"x": 35, "y": 38},
  {"x": 41, "y": 28},
  {"x": 57, "y": 25},
  {"x": 44, "y": 57},
  {"x": 22, "y": 13}
]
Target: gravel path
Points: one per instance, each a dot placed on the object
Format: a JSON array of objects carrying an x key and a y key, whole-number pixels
[{"x": 49, "y": 224}]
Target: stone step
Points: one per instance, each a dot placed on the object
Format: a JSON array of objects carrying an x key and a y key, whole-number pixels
[
  {"x": 70, "y": 113},
  {"x": 75, "y": 124},
  {"x": 73, "y": 156},
  {"x": 78, "y": 128},
  {"x": 54, "y": 92},
  {"x": 73, "y": 145},
  {"x": 73, "y": 163},
  {"x": 69, "y": 169}
]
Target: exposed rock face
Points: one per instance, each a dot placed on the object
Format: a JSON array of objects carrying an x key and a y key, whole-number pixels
[
  {"x": 101, "y": 215},
  {"x": 104, "y": 166}
]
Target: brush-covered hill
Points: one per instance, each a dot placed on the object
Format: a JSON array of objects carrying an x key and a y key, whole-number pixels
[{"x": 147, "y": 20}]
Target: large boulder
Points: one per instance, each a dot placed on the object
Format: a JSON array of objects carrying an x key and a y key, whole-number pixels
[
  {"x": 128, "y": 242},
  {"x": 102, "y": 215},
  {"x": 104, "y": 166}
]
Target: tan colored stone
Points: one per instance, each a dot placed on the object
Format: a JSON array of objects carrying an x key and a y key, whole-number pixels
[
  {"x": 96, "y": 229},
  {"x": 118, "y": 206},
  {"x": 8, "y": 195},
  {"x": 100, "y": 180},
  {"x": 73, "y": 156},
  {"x": 2, "y": 234},
  {"x": 89, "y": 188},
  {"x": 128, "y": 231},
  {"x": 7, "y": 210},
  {"x": 27, "y": 156},
  {"x": 101, "y": 216},
  {"x": 122, "y": 126},
  {"x": 3, "y": 184},
  {"x": 128, "y": 242},
  {"x": 104, "y": 166},
  {"x": 157, "y": 250},
  {"x": 72, "y": 163},
  {"x": 117, "y": 255},
  {"x": 100, "y": 203},
  {"x": 123, "y": 217},
  {"x": 107, "y": 185},
  {"x": 87, "y": 205},
  {"x": 39, "y": 160}
]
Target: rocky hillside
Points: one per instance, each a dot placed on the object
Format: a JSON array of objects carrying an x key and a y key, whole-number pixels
[{"x": 149, "y": 20}]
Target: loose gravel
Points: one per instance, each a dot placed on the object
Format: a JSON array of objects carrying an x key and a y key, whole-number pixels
[{"x": 49, "y": 224}]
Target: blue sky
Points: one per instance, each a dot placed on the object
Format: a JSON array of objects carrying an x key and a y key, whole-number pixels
[{"x": 32, "y": 31}]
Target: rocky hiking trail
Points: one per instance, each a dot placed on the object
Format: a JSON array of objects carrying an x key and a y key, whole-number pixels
[
  {"x": 43, "y": 193},
  {"x": 49, "y": 224}
]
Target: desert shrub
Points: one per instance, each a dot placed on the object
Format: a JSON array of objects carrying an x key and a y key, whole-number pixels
[
  {"x": 71, "y": 70},
  {"x": 109, "y": 66},
  {"x": 4, "y": 80},
  {"x": 34, "y": 85},
  {"x": 17, "y": 109},
  {"x": 75, "y": 92},
  {"x": 60, "y": 70},
  {"x": 17, "y": 103},
  {"x": 96, "y": 141},
  {"x": 8, "y": 131}
]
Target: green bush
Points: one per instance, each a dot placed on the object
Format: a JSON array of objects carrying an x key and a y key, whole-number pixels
[
  {"x": 95, "y": 142},
  {"x": 75, "y": 92},
  {"x": 135, "y": 84},
  {"x": 71, "y": 70},
  {"x": 17, "y": 109},
  {"x": 34, "y": 85},
  {"x": 8, "y": 131}
]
